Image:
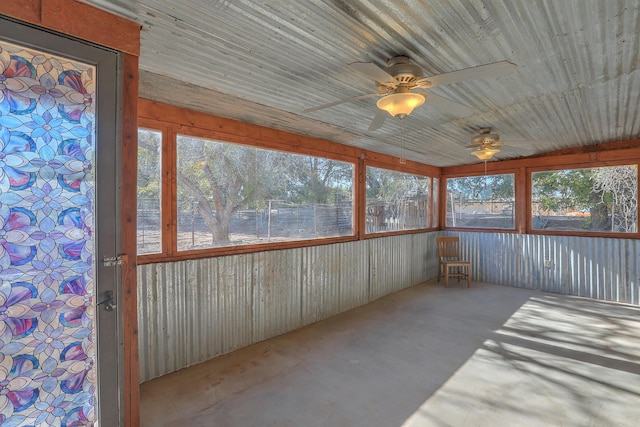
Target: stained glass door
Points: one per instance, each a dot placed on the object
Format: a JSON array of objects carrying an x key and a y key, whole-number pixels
[{"x": 58, "y": 344}]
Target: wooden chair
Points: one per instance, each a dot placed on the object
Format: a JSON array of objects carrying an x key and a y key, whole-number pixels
[{"x": 449, "y": 257}]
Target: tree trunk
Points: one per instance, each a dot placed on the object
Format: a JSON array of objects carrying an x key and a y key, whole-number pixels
[
  {"x": 599, "y": 214},
  {"x": 218, "y": 224}
]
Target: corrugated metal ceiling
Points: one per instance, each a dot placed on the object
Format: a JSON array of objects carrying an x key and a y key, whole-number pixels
[{"x": 264, "y": 62}]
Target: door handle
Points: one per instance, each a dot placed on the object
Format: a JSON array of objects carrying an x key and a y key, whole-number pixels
[{"x": 108, "y": 302}]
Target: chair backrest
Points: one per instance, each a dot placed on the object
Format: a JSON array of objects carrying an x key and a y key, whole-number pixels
[{"x": 448, "y": 248}]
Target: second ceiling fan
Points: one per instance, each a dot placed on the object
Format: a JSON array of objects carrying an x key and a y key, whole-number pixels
[
  {"x": 485, "y": 144},
  {"x": 401, "y": 87}
]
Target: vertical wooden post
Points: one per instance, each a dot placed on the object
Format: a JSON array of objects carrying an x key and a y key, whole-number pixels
[
  {"x": 129, "y": 241},
  {"x": 360, "y": 198},
  {"x": 522, "y": 206}
]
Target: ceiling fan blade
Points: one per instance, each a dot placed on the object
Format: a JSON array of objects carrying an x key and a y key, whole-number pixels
[
  {"x": 480, "y": 72},
  {"x": 378, "y": 120},
  {"x": 342, "y": 101},
  {"x": 448, "y": 105},
  {"x": 371, "y": 70}
]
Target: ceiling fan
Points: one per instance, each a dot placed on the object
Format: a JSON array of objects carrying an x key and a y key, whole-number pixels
[
  {"x": 487, "y": 144},
  {"x": 401, "y": 87}
]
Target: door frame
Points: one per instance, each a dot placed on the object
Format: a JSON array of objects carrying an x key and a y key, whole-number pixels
[
  {"x": 108, "y": 324},
  {"x": 89, "y": 23}
]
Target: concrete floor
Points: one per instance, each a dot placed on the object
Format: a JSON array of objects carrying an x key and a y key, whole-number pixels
[{"x": 427, "y": 356}]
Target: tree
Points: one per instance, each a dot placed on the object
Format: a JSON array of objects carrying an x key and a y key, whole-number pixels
[
  {"x": 618, "y": 187},
  {"x": 216, "y": 179},
  {"x": 148, "y": 191},
  {"x": 397, "y": 195},
  {"x": 485, "y": 188},
  {"x": 219, "y": 178},
  {"x": 149, "y": 146},
  {"x": 316, "y": 180},
  {"x": 560, "y": 190},
  {"x": 608, "y": 193}
]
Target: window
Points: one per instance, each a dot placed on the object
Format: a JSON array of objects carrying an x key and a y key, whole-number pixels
[
  {"x": 149, "y": 192},
  {"x": 481, "y": 202},
  {"x": 599, "y": 199},
  {"x": 214, "y": 188},
  {"x": 396, "y": 201},
  {"x": 230, "y": 194}
]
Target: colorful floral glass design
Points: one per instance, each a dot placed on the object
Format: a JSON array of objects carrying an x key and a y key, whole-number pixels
[{"x": 47, "y": 351}]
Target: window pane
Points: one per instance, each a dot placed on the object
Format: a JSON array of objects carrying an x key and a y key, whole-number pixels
[
  {"x": 396, "y": 201},
  {"x": 230, "y": 194},
  {"x": 592, "y": 199},
  {"x": 149, "y": 200},
  {"x": 434, "y": 222},
  {"x": 481, "y": 202}
]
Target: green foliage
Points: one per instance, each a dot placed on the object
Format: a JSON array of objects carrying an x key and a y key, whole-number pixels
[
  {"x": 563, "y": 189},
  {"x": 317, "y": 180},
  {"x": 607, "y": 196},
  {"x": 149, "y": 147}
]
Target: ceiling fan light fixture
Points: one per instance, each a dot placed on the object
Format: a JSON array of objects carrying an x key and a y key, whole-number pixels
[
  {"x": 400, "y": 105},
  {"x": 485, "y": 153}
]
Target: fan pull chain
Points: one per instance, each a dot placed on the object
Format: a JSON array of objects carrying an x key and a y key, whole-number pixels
[{"x": 403, "y": 155}]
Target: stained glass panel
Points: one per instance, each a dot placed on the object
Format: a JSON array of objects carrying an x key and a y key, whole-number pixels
[{"x": 47, "y": 350}]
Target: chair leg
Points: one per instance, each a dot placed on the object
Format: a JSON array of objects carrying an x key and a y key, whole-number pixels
[
  {"x": 446, "y": 276},
  {"x": 468, "y": 277},
  {"x": 439, "y": 270}
]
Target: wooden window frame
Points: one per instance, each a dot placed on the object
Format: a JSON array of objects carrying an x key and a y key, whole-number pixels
[
  {"x": 409, "y": 170},
  {"x": 588, "y": 165},
  {"x": 166, "y": 213},
  {"x": 615, "y": 153},
  {"x": 173, "y": 121},
  {"x": 516, "y": 191}
]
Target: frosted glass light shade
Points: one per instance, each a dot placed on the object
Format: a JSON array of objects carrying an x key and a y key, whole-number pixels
[
  {"x": 485, "y": 153},
  {"x": 400, "y": 104}
]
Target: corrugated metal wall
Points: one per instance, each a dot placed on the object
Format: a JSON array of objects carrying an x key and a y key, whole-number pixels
[
  {"x": 192, "y": 311},
  {"x": 590, "y": 267}
]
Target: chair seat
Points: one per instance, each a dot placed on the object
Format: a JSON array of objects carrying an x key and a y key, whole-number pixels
[
  {"x": 460, "y": 273},
  {"x": 450, "y": 263}
]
